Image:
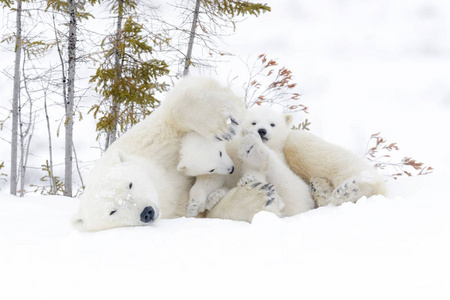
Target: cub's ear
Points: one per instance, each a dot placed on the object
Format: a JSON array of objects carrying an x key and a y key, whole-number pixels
[
  {"x": 181, "y": 167},
  {"x": 288, "y": 119}
]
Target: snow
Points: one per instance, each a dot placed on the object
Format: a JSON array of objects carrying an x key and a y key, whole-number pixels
[
  {"x": 393, "y": 248},
  {"x": 362, "y": 67}
]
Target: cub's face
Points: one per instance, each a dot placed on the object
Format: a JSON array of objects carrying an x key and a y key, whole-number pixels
[
  {"x": 273, "y": 127},
  {"x": 119, "y": 193},
  {"x": 201, "y": 156}
]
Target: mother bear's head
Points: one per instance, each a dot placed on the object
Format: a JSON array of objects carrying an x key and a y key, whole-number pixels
[{"x": 119, "y": 193}]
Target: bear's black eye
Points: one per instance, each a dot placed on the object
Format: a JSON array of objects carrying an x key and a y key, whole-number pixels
[
  {"x": 253, "y": 123},
  {"x": 272, "y": 124},
  {"x": 130, "y": 185},
  {"x": 220, "y": 153},
  {"x": 210, "y": 171},
  {"x": 112, "y": 212}
]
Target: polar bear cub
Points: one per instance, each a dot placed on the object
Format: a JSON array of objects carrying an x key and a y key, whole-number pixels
[
  {"x": 205, "y": 159},
  {"x": 261, "y": 152}
]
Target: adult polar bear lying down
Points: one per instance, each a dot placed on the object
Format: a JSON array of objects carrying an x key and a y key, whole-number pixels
[{"x": 136, "y": 180}]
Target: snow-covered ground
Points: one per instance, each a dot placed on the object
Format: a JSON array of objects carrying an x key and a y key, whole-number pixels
[{"x": 362, "y": 67}]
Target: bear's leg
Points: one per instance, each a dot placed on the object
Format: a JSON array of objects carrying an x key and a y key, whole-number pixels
[
  {"x": 321, "y": 191},
  {"x": 243, "y": 202}
]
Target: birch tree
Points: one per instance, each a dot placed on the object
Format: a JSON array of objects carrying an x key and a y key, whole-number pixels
[
  {"x": 68, "y": 145},
  {"x": 16, "y": 95},
  {"x": 74, "y": 9},
  {"x": 212, "y": 17}
]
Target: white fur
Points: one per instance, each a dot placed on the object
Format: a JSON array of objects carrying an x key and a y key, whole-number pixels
[
  {"x": 199, "y": 156},
  {"x": 335, "y": 174},
  {"x": 152, "y": 148},
  {"x": 203, "y": 157},
  {"x": 258, "y": 157},
  {"x": 265, "y": 165}
]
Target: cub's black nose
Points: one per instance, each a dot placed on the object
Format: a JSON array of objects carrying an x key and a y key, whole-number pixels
[
  {"x": 262, "y": 132},
  {"x": 232, "y": 170},
  {"x": 148, "y": 214}
]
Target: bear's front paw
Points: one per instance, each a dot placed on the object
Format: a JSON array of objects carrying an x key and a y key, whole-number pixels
[
  {"x": 228, "y": 130},
  {"x": 252, "y": 151},
  {"x": 194, "y": 207},
  {"x": 213, "y": 198}
]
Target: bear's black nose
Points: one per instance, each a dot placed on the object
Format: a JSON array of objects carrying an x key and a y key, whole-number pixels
[
  {"x": 148, "y": 214},
  {"x": 232, "y": 170},
  {"x": 262, "y": 132}
]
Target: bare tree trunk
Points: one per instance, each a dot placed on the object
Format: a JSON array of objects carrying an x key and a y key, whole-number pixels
[
  {"x": 50, "y": 151},
  {"x": 70, "y": 98},
  {"x": 115, "y": 107},
  {"x": 26, "y": 134},
  {"x": 15, "y": 102},
  {"x": 188, "y": 58}
]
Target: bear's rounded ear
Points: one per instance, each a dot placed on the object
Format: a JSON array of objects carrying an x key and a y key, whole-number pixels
[
  {"x": 181, "y": 167},
  {"x": 288, "y": 119}
]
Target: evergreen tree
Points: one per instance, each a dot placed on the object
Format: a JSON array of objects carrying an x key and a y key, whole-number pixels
[{"x": 128, "y": 77}]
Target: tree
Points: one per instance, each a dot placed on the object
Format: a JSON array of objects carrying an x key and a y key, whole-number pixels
[
  {"x": 128, "y": 77},
  {"x": 211, "y": 16},
  {"x": 16, "y": 95},
  {"x": 68, "y": 146},
  {"x": 75, "y": 11}
]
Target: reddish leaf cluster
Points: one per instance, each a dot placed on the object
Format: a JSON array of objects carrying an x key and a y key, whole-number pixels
[
  {"x": 377, "y": 155},
  {"x": 273, "y": 85}
]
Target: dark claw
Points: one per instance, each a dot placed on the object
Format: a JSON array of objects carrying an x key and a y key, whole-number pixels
[
  {"x": 346, "y": 185},
  {"x": 255, "y": 185},
  {"x": 233, "y": 121},
  {"x": 232, "y": 131},
  {"x": 248, "y": 151},
  {"x": 264, "y": 186},
  {"x": 226, "y": 137},
  {"x": 355, "y": 190},
  {"x": 217, "y": 138},
  {"x": 269, "y": 201}
]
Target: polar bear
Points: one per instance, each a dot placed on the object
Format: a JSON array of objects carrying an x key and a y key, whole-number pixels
[
  {"x": 262, "y": 157},
  {"x": 206, "y": 159},
  {"x": 136, "y": 181},
  {"x": 335, "y": 175}
]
